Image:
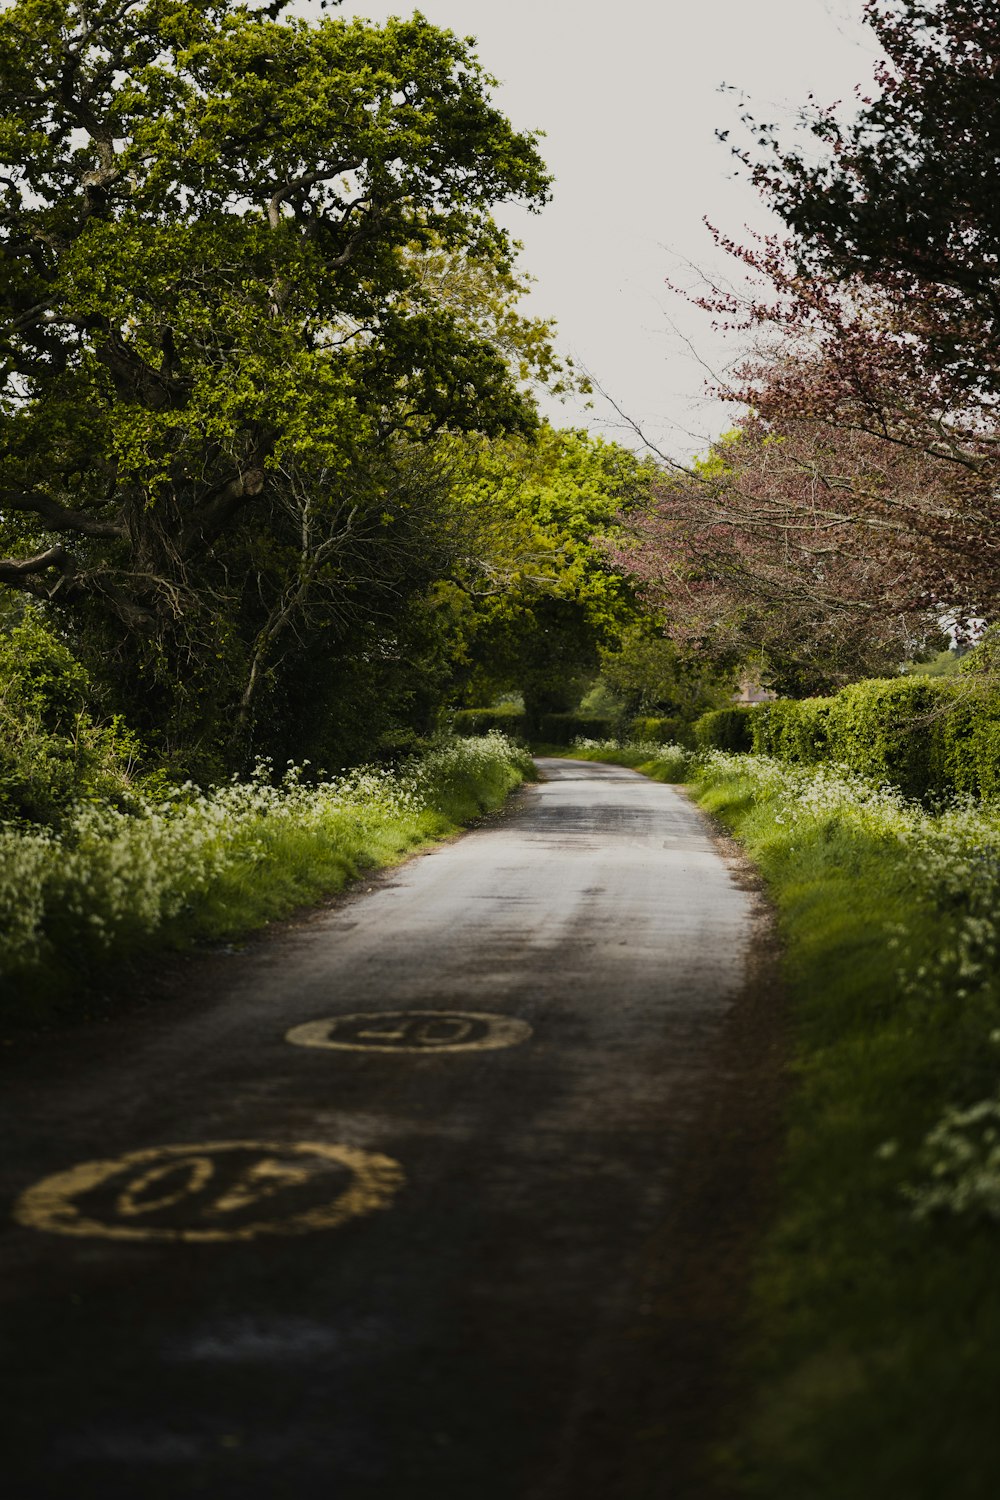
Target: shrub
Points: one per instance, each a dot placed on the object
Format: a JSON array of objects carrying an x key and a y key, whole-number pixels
[
  {"x": 793, "y": 729},
  {"x": 726, "y": 729},
  {"x": 968, "y": 752},
  {"x": 506, "y": 718},
  {"x": 660, "y": 731},
  {"x": 893, "y": 730},
  {"x": 930, "y": 737},
  {"x": 563, "y": 729},
  {"x": 52, "y": 753}
]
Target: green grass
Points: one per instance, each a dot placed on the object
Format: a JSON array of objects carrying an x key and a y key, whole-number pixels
[
  {"x": 196, "y": 867},
  {"x": 301, "y": 866},
  {"x": 874, "y": 1345}
]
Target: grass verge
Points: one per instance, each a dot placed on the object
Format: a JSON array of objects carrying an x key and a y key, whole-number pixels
[
  {"x": 875, "y": 1346},
  {"x": 191, "y": 866}
]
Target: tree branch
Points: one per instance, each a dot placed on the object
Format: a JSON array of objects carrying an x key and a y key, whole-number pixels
[
  {"x": 307, "y": 180},
  {"x": 226, "y": 501},
  {"x": 61, "y": 518},
  {"x": 15, "y": 570}
]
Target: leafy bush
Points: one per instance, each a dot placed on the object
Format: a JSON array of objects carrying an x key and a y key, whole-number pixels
[
  {"x": 892, "y": 730},
  {"x": 930, "y": 737},
  {"x": 563, "y": 729},
  {"x": 506, "y": 718},
  {"x": 660, "y": 731},
  {"x": 52, "y": 753},
  {"x": 792, "y": 728},
  {"x": 968, "y": 740},
  {"x": 204, "y": 863},
  {"x": 725, "y": 729}
]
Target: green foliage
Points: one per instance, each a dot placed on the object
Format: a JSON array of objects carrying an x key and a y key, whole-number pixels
[
  {"x": 793, "y": 729},
  {"x": 661, "y": 731},
  {"x": 892, "y": 730},
  {"x": 725, "y": 729},
  {"x": 876, "y": 1317},
  {"x": 184, "y": 864},
  {"x": 250, "y": 281},
  {"x": 52, "y": 753},
  {"x": 541, "y": 596},
  {"x": 965, "y": 736},
  {"x": 655, "y": 677},
  {"x": 507, "y": 718},
  {"x": 932, "y": 737},
  {"x": 563, "y": 729}
]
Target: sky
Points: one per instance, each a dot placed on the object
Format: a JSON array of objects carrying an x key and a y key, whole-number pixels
[{"x": 628, "y": 94}]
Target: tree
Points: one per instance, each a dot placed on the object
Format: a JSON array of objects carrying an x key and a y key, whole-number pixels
[
  {"x": 902, "y": 198},
  {"x": 220, "y": 361},
  {"x": 790, "y": 545},
  {"x": 860, "y": 505},
  {"x": 535, "y": 597},
  {"x": 651, "y": 674}
]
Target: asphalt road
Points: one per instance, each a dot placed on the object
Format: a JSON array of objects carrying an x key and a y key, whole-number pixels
[{"x": 442, "y": 1191}]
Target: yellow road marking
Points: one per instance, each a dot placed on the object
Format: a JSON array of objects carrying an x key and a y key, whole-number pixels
[
  {"x": 412, "y": 1031},
  {"x": 200, "y": 1169},
  {"x": 162, "y": 1179}
]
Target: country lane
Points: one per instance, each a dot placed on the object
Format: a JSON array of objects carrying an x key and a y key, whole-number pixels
[{"x": 443, "y": 1191}]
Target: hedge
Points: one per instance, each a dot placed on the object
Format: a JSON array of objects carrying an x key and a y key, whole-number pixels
[
  {"x": 563, "y": 729},
  {"x": 930, "y": 737},
  {"x": 506, "y": 718},
  {"x": 660, "y": 731},
  {"x": 553, "y": 729},
  {"x": 725, "y": 729},
  {"x": 793, "y": 729}
]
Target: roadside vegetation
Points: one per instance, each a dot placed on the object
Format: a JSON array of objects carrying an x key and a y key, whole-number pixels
[
  {"x": 180, "y": 864},
  {"x": 307, "y": 513},
  {"x": 876, "y": 1318}
]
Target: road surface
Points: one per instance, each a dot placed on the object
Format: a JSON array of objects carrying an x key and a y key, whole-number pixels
[{"x": 441, "y": 1192}]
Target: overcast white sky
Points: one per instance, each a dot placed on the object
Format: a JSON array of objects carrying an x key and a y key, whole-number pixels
[{"x": 627, "y": 93}]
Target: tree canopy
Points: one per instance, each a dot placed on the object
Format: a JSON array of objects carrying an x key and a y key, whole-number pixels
[
  {"x": 859, "y": 506},
  {"x": 902, "y": 196},
  {"x": 221, "y": 349},
  {"x": 535, "y": 595}
]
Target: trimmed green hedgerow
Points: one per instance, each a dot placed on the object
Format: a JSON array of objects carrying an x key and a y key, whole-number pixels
[
  {"x": 725, "y": 729},
  {"x": 930, "y": 737},
  {"x": 670, "y": 730},
  {"x": 507, "y": 719},
  {"x": 564, "y": 728}
]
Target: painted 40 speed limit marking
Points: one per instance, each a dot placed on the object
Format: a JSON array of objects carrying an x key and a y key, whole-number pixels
[
  {"x": 412, "y": 1031},
  {"x": 213, "y": 1191}
]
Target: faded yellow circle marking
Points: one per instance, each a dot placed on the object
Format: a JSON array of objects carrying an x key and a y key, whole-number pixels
[
  {"x": 212, "y": 1191},
  {"x": 131, "y": 1203},
  {"x": 412, "y": 1031}
]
